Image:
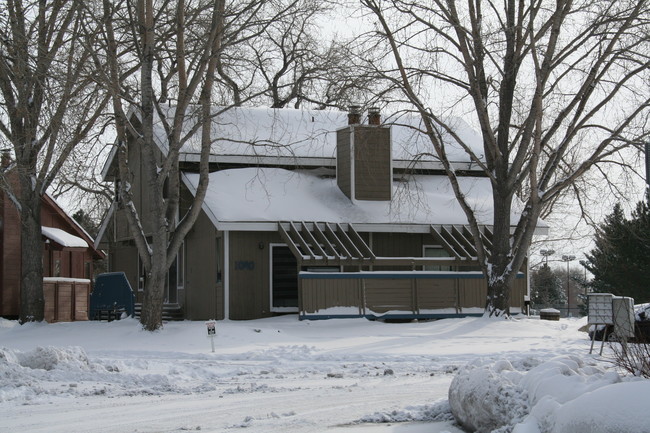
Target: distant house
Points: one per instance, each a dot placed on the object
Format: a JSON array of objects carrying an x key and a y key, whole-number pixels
[
  {"x": 68, "y": 256},
  {"x": 318, "y": 214}
]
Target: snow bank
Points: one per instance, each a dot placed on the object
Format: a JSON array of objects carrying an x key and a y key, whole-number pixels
[
  {"x": 438, "y": 411},
  {"x": 610, "y": 409},
  {"x": 486, "y": 397},
  {"x": 46, "y": 358},
  {"x": 562, "y": 395}
]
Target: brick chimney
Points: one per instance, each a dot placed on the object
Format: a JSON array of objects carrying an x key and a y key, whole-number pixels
[
  {"x": 354, "y": 115},
  {"x": 374, "y": 118},
  {"x": 364, "y": 167}
]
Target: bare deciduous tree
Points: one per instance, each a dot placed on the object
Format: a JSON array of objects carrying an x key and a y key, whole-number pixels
[
  {"x": 188, "y": 76},
  {"x": 166, "y": 65},
  {"x": 556, "y": 88},
  {"x": 49, "y": 104}
]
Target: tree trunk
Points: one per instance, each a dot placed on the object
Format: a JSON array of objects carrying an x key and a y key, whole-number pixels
[
  {"x": 154, "y": 292},
  {"x": 32, "y": 308},
  {"x": 500, "y": 273}
]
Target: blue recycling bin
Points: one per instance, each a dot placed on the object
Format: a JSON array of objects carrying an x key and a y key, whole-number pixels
[{"x": 112, "y": 295}]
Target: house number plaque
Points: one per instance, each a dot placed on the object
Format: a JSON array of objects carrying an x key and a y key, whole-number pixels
[{"x": 243, "y": 265}]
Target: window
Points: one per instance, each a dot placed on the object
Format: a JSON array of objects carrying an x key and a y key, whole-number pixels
[
  {"x": 87, "y": 268},
  {"x": 436, "y": 251}
]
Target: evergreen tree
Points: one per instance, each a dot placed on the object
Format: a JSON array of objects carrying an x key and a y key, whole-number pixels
[
  {"x": 546, "y": 287},
  {"x": 619, "y": 262}
]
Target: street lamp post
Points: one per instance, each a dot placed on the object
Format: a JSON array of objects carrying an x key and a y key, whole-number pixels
[
  {"x": 546, "y": 253},
  {"x": 567, "y": 259}
]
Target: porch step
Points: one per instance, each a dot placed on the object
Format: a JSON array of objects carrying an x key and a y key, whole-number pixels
[{"x": 170, "y": 313}]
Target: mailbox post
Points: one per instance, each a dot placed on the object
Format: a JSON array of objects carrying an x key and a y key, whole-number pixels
[{"x": 212, "y": 331}]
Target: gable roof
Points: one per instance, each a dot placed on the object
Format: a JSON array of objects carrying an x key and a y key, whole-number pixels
[
  {"x": 77, "y": 231},
  {"x": 258, "y": 196},
  {"x": 306, "y": 138}
]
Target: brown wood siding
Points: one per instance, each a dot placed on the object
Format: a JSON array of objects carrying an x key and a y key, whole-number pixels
[
  {"x": 373, "y": 178},
  {"x": 201, "y": 300},
  {"x": 343, "y": 162},
  {"x": 435, "y": 294},
  {"x": 11, "y": 260},
  {"x": 519, "y": 290},
  {"x": 397, "y": 245},
  {"x": 383, "y": 295},
  {"x": 122, "y": 231},
  {"x": 125, "y": 259},
  {"x": 318, "y": 295},
  {"x": 250, "y": 288},
  {"x": 472, "y": 293}
]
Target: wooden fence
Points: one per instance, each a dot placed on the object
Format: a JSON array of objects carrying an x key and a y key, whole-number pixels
[{"x": 403, "y": 295}]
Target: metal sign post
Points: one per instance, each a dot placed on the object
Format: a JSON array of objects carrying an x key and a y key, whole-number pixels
[{"x": 212, "y": 331}]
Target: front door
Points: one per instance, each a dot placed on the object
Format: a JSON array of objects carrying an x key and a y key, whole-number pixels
[{"x": 284, "y": 280}]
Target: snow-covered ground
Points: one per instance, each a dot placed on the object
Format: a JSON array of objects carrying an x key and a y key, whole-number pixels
[{"x": 283, "y": 375}]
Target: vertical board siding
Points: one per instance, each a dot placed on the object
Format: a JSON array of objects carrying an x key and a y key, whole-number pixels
[
  {"x": 397, "y": 245},
  {"x": 250, "y": 291},
  {"x": 11, "y": 260},
  {"x": 199, "y": 298},
  {"x": 125, "y": 259},
  {"x": 397, "y": 293},
  {"x": 318, "y": 295},
  {"x": 343, "y": 162},
  {"x": 436, "y": 294},
  {"x": 383, "y": 295},
  {"x": 373, "y": 177},
  {"x": 472, "y": 293}
]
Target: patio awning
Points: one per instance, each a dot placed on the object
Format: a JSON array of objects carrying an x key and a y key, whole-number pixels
[{"x": 335, "y": 244}]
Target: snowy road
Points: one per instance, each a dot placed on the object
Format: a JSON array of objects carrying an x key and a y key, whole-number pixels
[{"x": 274, "y": 375}]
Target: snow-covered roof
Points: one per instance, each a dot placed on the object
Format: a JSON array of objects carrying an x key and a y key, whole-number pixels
[
  {"x": 63, "y": 238},
  {"x": 273, "y": 194},
  {"x": 268, "y": 132}
]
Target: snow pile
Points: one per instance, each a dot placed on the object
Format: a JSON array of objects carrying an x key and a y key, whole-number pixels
[
  {"x": 620, "y": 407},
  {"x": 49, "y": 358},
  {"x": 486, "y": 397},
  {"x": 438, "y": 411},
  {"x": 21, "y": 381},
  {"x": 562, "y": 395}
]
